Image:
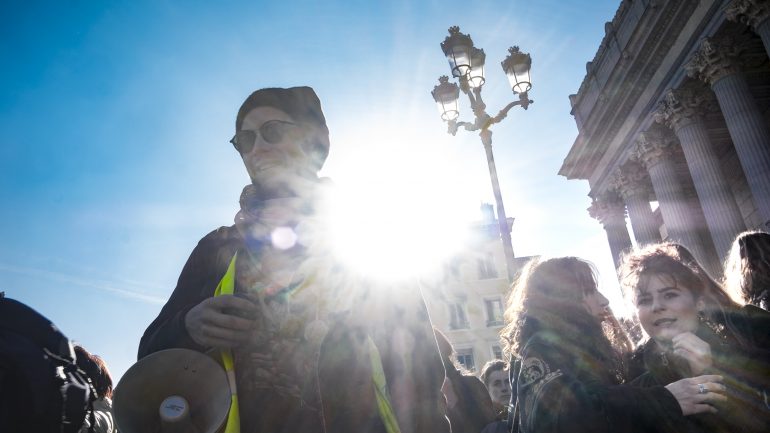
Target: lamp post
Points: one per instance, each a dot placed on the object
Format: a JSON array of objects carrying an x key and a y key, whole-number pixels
[{"x": 466, "y": 63}]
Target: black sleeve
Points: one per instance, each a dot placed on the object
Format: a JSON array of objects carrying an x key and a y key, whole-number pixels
[
  {"x": 743, "y": 367},
  {"x": 745, "y": 364},
  {"x": 399, "y": 326},
  {"x": 649, "y": 409},
  {"x": 412, "y": 361},
  {"x": 552, "y": 399},
  {"x": 746, "y": 375},
  {"x": 196, "y": 283},
  {"x": 754, "y": 323}
]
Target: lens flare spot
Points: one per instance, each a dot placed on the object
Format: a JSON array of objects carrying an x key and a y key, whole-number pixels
[{"x": 283, "y": 238}]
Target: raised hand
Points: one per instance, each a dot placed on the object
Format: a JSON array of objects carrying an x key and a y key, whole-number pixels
[
  {"x": 695, "y": 351},
  {"x": 221, "y": 321}
]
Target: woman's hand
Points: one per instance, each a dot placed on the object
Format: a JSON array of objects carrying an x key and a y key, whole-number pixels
[
  {"x": 219, "y": 321},
  {"x": 695, "y": 394},
  {"x": 695, "y": 351}
]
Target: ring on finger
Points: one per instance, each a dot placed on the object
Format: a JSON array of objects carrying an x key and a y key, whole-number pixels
[{"x": 702, "y": 389}]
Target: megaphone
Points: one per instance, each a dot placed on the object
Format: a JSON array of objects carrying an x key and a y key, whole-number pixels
[{"x": 171, "y": 391}]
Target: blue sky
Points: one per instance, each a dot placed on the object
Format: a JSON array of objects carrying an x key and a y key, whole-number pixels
[{"x": 115, "y": 117}]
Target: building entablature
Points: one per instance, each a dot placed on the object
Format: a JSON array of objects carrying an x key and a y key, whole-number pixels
[
  {"x": 609, "y": 113},
  {"x": 682, "y": 120}
]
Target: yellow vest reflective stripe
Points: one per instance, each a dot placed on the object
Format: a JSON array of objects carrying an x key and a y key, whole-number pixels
[
  {"x": 387, "y": 415},
  {"x": 226, "y": 286}
]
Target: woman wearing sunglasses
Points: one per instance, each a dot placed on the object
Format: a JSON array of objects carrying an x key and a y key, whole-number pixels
[
  {"x": 694, "y": 328},
  {"x": 310, "y": 342},
  {"x": 569, "y": 375}
]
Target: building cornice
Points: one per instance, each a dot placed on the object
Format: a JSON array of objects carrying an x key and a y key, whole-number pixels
[
  {"x": 625, "y": 86},
  {"x": 609, "y": 33}
]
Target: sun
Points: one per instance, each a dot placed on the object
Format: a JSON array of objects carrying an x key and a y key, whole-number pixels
[{"x": 395, "y": 212}]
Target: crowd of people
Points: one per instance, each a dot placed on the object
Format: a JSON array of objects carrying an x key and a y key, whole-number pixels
[
  {"x": 318, "y": 348},
  {"x": 704, "y": 366}
]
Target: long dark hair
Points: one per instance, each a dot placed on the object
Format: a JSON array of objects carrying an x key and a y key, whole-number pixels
[
  {"x": 96, "y": 370},
  {"x": 747, "y": 268},
  {"x": 678, "y": 263},
  {"x": 548, "y": 296},
  {"x": 473, "y": 408}
]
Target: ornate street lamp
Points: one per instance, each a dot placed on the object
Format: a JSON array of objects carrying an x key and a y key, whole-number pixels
[
  {"x": 457, "y": 49},
  {"x": 446, "y": 95},
  {"x": 516, "y": 67},
  {"x": 466, "y": 63},
  {"x": 476, "y": 74}
]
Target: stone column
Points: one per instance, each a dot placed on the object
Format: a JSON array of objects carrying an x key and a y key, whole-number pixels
[
  {"x": 655, "y": 150},
  {"x": 683, "y": 110},
  {"x": 753, "y": 13},
  {"x": 611, "y": 212},
  {"x": 716, "y": 62},
  {"x": 631, "y": 181}
]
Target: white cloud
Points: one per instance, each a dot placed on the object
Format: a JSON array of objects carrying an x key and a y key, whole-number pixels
[{"x": 130, "y": 290}]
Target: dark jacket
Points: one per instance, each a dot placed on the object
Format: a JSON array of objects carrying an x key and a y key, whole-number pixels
[
  {"x": 286, "y": 382},
  {"x": 561, "y": 391},
  {"x": 740, "y": 356},
  {"x": 473, "y": 410}
]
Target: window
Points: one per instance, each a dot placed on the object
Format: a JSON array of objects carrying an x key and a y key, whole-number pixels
[
  {"x": 497, "y": 352},
  {"x": 494, "y": 309},
  {"x": 457, "y": 317},
  {"x": 452, "y": 268},
  {"x": 487, "y": 268},
  {"x": 465, "y": 358}
]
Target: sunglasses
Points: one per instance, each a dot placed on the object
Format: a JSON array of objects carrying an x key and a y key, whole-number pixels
[{"x": 272, "y": 132}]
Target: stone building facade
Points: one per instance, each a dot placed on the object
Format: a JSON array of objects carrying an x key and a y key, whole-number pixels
[
  {"x": 467, "y": 302},
  {"x": 675, "y": 110}
]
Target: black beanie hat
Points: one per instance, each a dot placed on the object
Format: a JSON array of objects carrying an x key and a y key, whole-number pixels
[{"x": 302, "y": 104}]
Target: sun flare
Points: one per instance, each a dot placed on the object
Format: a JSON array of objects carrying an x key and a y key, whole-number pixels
[{"x": 395, "y": 211}]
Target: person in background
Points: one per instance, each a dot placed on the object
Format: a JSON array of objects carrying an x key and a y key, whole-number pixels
[
  {"x": 317, "y": 348},
  {"x": 747, "y": 269},
  {"x": 571, "y": 377},
  {"x": 42, "y": 390},
  {"x": 469, "y": 407},
  {"x": 494, "y": 374},
  {"x": 695, "y": 329},
  {"x": 96, "y": 370}
]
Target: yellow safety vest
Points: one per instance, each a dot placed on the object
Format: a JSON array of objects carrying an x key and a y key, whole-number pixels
[
  {"x": 387, "y": 415},
  {"x": 226, "y": 286}
]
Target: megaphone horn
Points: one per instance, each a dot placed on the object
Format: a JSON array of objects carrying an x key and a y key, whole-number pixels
[{"x": 174, "y": 390}]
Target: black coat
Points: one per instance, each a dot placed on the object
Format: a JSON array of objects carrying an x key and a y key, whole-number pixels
[
  {"x": 323, "y": 388},
  {"x": 740, "y": 356},
  {"x": 473, "y": 410},
  {"x": 560, "y": 391}
]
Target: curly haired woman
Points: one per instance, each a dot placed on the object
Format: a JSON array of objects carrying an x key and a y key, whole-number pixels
[
  {"x": 569, "y": 375},
  {"x": 695, "y": 328}
]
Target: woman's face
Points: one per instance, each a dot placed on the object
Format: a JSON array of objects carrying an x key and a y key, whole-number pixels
[
  {"x": 274, "y": 163},
  {"x": 596, "y": 304},
  {"x": 666, "y": 309}
]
